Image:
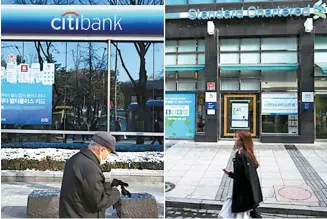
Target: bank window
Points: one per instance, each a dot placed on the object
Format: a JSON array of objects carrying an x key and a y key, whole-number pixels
[
  {"x": 279, "y": 112},
  {"x": 279, "y": 80},
  {"x": 258, "y": 51},
  {"x": 185, "y": 52},
  {"x": 200, "y": 113},
  {"x": 240, "y": 80},
  {"x": 321, "y": 87}
]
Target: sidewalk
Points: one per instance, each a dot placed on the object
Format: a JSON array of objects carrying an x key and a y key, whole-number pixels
[
  {"x": 14, "y": 196},
  {"x": 290, "y": 175}
]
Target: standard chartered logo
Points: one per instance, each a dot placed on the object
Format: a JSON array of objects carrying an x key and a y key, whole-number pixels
[
  {"x": 319, "y": 10},
  {"x": 73, "y": 21}
]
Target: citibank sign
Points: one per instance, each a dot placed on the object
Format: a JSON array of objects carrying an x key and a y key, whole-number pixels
[{"x": 251, "y": 12}]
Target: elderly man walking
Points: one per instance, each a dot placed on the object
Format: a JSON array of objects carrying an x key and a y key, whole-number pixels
[{"x": 83, "y": 191}]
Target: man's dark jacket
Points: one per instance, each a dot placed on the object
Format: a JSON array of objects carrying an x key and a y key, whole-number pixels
[
  {"x": 247, "y": 192},
  {"x": 83, "y": 193}
]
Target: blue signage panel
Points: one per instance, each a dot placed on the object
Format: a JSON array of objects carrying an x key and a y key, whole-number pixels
[
  {"x": 307, "y": 106},
  {"x": 211, "y": 105},
  {"x": 26, "y": 98},
  {"x": 83, "y": 19},
  {"x": 180, "y": 115}
]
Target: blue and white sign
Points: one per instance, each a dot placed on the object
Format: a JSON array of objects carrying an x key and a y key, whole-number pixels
[
  {"x": 307, "y": 106},
  {"x": 240, "y": 115},
  {"x": 83, "y": 19},
  {"x": 279, "y": 104},
  {"x": 211, "y": 105},
  {"x": 318, "y": 10},
  {"x": 180, "y": 115},
  {"x": 26, "y": 99}
]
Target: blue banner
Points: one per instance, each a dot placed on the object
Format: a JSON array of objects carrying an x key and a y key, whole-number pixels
[
  {"x": 180, "y": 115},
  {"x": 83, "y": 19},
  {"x": 24, "y": 100}
]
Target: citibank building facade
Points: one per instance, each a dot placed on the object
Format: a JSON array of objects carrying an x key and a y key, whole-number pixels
[
  {"x": 70, "y": 69},
  {"x": 246, "y": 65}
]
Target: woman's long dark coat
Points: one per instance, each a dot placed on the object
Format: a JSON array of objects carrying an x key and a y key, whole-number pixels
[{"x": 246, "y": 186}]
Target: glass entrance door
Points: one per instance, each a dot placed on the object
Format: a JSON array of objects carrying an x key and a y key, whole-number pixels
[
  {"x": 321, "y": 116},
  {"x": 239, "y": 112}
]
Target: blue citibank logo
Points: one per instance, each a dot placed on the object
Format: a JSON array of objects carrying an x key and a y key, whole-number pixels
[
  {"x": 319, "y": 11},
  {"x": 104, "y": 20}
]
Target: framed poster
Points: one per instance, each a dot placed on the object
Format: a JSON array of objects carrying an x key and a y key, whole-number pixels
[{"x": 240, "y": 115}]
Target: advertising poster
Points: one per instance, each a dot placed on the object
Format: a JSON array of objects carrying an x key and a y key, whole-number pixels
[
  {"x": 26, "y": 100},
  {"x": 279, "y": 104},
  {"x": 240, "y": 115},
  {"x": 180, "y": 115}
]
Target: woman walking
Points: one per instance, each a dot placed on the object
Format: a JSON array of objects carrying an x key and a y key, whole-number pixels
[{"x": 246, "y": 186}]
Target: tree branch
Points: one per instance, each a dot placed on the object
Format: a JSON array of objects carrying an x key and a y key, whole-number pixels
[
  {"x": 137, "y": 48},
  {"x": 124, "y": 66}
]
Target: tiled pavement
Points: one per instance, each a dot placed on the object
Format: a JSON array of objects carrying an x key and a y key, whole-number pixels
[
  {"x": 14, "y": 196},
  {"x": 196, "y": 170},
  {"x": 195, "y": 213}
]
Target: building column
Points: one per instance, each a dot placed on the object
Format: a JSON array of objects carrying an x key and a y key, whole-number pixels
[
  {"x": 306, "y": 84},
  {"x": 211, "y": 70}
]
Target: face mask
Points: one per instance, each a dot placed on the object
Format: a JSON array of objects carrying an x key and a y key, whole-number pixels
[{"x": 103, "y": 161}]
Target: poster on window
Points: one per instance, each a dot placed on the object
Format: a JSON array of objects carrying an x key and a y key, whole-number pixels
[
  {"x": 240, "y": 115},
  {"x": 180, "y": 115},
  {"x": 279, "y": 104},
  {"x": 25, "y": 99}
]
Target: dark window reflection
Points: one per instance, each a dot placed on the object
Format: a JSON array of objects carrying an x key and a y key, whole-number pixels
[{"x": 136, "y": 89}]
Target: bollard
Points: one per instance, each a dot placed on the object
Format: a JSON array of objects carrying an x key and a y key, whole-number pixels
[
  {"x": 139, "y": 205},
  {"x": 43, "y": 204}
]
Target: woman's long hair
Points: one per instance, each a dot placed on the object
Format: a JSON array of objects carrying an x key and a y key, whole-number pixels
[{"x": 246, "y": 138}]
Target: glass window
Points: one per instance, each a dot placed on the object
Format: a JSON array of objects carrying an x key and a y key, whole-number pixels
[
  {"x": 280, "y": 80},
  {"x": 279, "y": 43},
  {"x": 136, "y": 91},
  {"x": 188, "y": 52},
  {"x": 201, "y": 1},
  {"x": 229, "y": 45},
  {"x": 77, "y": 98},
  {"x": 230, "y": 84},
  {"x": 250, "y": 58},
  {"x": 229, "y": 74},
  {"x": 321, "y": 115},
  {"x": 201, "y": 112},
  {"x": 279, "y": 112},
  {"x": 250, "y": 44},
  {"x": 175, "y": 2},
  {"x": 186, "y": 85},
  {"x": 229, "y": 58},
  {"x": 278, "y": 57},
  {"x": 250, "y": 84},
  {"x": 170, "y": 85}
]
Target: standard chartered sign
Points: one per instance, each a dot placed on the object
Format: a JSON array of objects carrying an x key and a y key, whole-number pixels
[{"x": 251, "y": 12}]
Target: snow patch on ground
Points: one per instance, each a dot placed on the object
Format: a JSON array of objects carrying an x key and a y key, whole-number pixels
[{"x": 64, "y": 154}]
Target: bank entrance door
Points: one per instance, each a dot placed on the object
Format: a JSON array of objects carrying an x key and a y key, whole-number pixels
[{"x": 239, "y": 112}]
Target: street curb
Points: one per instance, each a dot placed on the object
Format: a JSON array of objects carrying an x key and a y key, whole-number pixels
[
  {"x": 264, "y": 208},
  {"x": 149, "y": 176}
]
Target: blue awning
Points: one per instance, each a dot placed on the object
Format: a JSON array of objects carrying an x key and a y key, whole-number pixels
[
  {"x": 257, "y": 67},
  {"x": 323, "y": 66},
  {"x": 184, "y": 67}
]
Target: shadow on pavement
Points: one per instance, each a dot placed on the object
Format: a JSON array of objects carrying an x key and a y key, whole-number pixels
[{"x": 13, "y": 212}]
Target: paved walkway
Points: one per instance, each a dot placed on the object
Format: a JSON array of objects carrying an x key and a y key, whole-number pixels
[
  {"x": 14, "y": 197},
  {"x": 289, "y": 174},
  {"x": 195, "y": 213}
]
